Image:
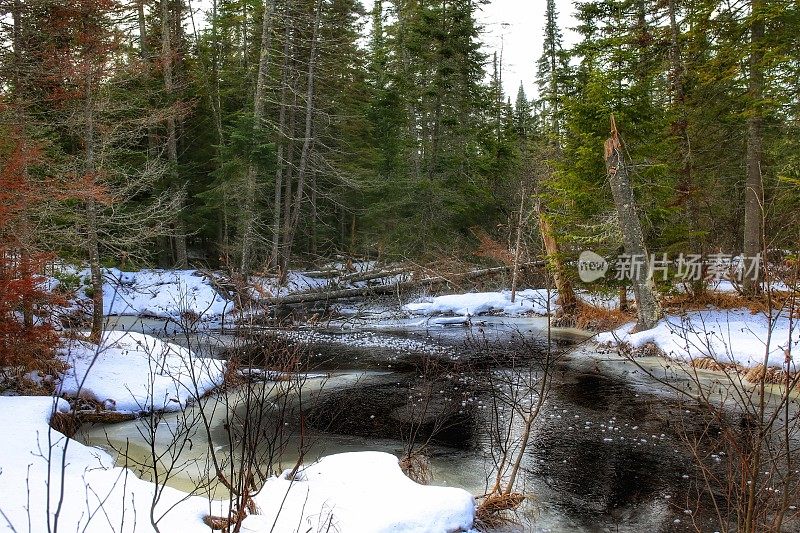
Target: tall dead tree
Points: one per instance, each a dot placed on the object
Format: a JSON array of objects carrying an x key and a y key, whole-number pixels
[
  {"x": 178, "y": 233},
  {"x": 259, "y": 99},
  {"x": 279, "y": 172},
  {"x": 647, "y": 306},
  {"x": 754, "y": 186},
  {"x": 308, "y": 140}
]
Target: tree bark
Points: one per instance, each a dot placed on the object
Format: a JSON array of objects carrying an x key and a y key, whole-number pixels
[
  {"x": 566, "y": 293},
  {"x": 249, "y": 216},
  {"x": 92, "y": 239},
  {"x": 339, "y": 294},
  {"x": 518, "y": 246},
  {"x": 647, "y": 306},
  {"x": 305, "y": 153},
  {"x": 754, "y": 187},
  {"x": 279, "y": 172},
  {"x": 178, "y": 230},
  {"x": 144, "y": 54}
]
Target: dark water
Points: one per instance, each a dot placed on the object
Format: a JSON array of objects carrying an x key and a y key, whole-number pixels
[{"x": 604, "y": 456}]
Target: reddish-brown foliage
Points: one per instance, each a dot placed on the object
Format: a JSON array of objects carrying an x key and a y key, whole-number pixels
[
  {"x": 27, "y": 338},
  {"x": 25, "y": 342}
]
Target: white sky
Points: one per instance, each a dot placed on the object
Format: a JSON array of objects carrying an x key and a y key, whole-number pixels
[{"x": 518, "y": 25}]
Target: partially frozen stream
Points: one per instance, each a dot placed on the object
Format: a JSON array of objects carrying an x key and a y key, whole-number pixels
[{"x": 604, "y": 457}]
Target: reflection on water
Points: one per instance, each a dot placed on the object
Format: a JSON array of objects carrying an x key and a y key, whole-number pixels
[{"x": 603, "y": 456}]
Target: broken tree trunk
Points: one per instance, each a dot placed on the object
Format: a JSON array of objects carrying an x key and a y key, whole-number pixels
[{"x": 647, "y": 306}]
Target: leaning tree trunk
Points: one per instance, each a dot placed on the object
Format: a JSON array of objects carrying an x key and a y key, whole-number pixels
[
  {"x": 754, "y": 187},
  {"x": 179, "y": 234},
  {"x": 566, "y": 294},
  {"x": 647, "y": 306},
  {"x": 249, "y": 207}
]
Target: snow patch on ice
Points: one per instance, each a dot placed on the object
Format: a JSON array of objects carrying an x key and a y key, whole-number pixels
[{"x": 478, "y": 303}]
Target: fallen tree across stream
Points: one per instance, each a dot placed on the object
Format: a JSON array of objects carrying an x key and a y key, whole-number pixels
[{"x": 391, "y": 288}]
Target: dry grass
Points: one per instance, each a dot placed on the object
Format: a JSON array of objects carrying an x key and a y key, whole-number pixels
[
  {"x": 232, "y": 377},
  {"x": 724, "y": 300},
  {"x": 493, "y": 510},
  {"x": 417, "y": 467},
  {"x": 708, "y": 363},
  {"x": 490, "y": 248},
  {"x": 216, "y": 523},
  {"x": 592, "y": 318},
  {"x": 770, "y": 375},
  {"x": 65, "y": 423}
]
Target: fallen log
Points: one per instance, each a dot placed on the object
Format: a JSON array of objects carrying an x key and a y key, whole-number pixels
[
  {"x": 376, "y": 290},
  {"x": 323, "y": 274},
  {"x": 373, "y": 274}
]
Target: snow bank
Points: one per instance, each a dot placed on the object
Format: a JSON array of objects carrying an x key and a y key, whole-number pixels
[
  {"x": 362, "y": 492},
  {"x": 478, "y": 303},
  {"x": 728, "y": 336},
  {"x": 97, "y": 497},
  {"x": 134, "y": 372},
  {"x": 161, "y": 293}
]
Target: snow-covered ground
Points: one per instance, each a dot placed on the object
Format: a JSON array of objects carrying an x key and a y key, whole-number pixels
[
  {"x": 161, "y": 293},
  {"x": 478, "y": 303},
  {"x": 133, "y": 372},
  {"x": 81, "y": 483},
  {"x": 728, "y": 336},
  {"x": 353, "y": 492},
  {"x": 362, "y": 492},
  {"x": 527, "y": 301}
]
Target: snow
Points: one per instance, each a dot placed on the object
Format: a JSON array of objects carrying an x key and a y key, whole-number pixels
[
  {"x": 361, "y": 492},
  {"x": 133, "y": 373},
  {"x": 478, "y": 303},
  {"x": 353, "y": 492},
  {"x": 161, "y": 293},
  {"x": 728, "y": 336},
  {"x": 97, "y": 497},
  {"x": 298, "y": 282}
]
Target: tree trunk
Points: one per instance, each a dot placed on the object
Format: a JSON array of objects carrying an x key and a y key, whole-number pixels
[
  {"x": 647, "y": 306},
  {"x": 178, "y": 231},
  {"x": 754, "y": 187},
  {"x": 313, "y": 217},
  {"x": 680, "y": 130},
  {"x": 566, "y": 294},
  {"x": 517, "y": 247},
  {"x": 249, "y": 216},
  {"x": 305, "y": 153},
  {"x": 279, "y": 172},
  {"x": 92, "y": 239}
]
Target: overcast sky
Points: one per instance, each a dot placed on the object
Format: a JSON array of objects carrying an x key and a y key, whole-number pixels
[{"x": 519, "y": 26}]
